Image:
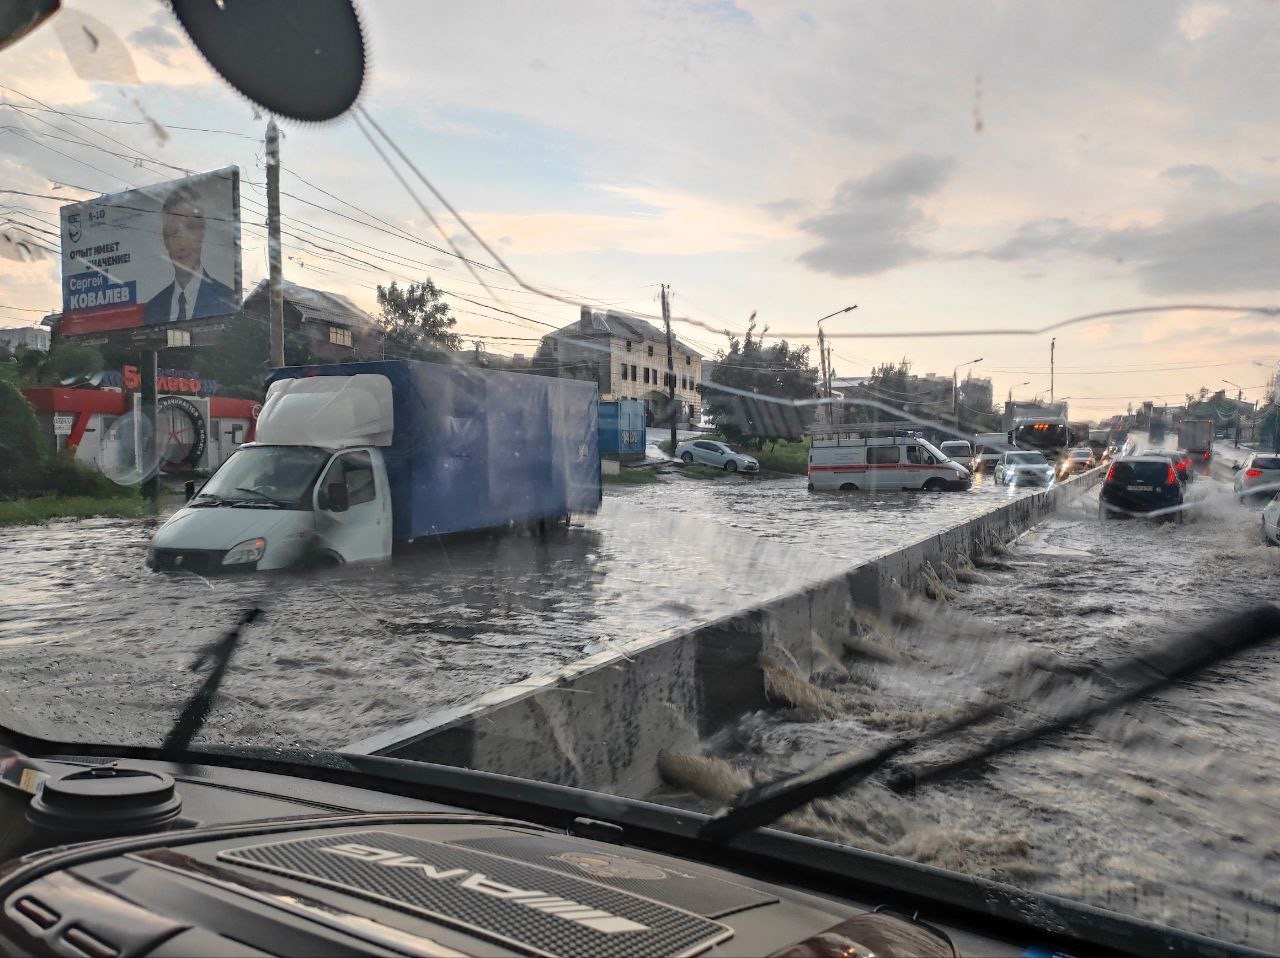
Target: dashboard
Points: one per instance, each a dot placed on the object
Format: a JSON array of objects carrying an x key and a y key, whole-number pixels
[{"x": 222, "y": 861}]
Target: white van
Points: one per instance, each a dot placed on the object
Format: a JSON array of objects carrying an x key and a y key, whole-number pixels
[{"x": 851, "y": 461}]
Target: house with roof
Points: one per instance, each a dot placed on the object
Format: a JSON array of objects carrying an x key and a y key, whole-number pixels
[
  {"x": 627, "y": 357},
  {"x": 330, "y": 326}
]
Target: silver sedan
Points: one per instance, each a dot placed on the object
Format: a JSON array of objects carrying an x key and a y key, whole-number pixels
[{"x": 709, "y": 452}]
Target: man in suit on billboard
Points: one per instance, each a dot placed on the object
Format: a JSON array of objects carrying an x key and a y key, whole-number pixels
[{"x": 193, "y": 292}]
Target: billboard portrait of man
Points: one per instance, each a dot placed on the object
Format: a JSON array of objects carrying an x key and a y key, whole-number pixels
[{"x": 193, "y": 291}]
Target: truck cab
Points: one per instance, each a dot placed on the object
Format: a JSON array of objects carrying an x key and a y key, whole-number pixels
[{"x": 312, "y": 488}]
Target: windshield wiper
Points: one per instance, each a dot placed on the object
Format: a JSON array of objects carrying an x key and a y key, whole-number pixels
[
  {"x": 1139, "y": 676},
  {"x": 197, "y": 709},
  {"x": 206, "y": 499},
  {"x": 264, "y": 498}
]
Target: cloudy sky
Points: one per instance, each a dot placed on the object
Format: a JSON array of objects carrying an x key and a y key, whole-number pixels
[{"x": 944, "y": 165}]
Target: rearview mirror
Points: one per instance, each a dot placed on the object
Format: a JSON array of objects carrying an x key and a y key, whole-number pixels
[{"x": 336, "y": 499}]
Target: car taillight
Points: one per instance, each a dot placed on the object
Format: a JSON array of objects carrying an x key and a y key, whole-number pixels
[
  {"x": 1253, "y": 473},
  {"x": 1173, "y": 477},
  {"x": 1111, "y": 473}
]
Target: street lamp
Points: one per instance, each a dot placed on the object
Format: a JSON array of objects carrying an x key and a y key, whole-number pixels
[
  {"x": 1009, "y": 401},
  {"x": 955, "y": 390},
  {"x": 822, "y": 355}
]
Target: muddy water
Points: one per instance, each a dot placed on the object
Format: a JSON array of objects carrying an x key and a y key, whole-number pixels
[
  {"x": 1169, "y": 809},
  {"x": 95, "y": 647}
]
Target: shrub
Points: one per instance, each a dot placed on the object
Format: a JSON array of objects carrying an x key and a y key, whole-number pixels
[
  {"x": 22, "y": 450},
  {"x": 63, "y": 476}
]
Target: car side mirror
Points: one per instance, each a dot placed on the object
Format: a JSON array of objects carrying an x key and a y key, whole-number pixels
[
  {"x": 336, "y": 499},
  {"x": 1235, "y": 467},
  {"x": 189, "y": 489}
]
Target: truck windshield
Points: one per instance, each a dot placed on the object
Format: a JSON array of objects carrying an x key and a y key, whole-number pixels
[{"x": 279, "y": 474}]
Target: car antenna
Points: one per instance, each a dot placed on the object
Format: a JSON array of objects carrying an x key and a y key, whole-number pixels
[
  {"x": 194, "y": 713},
  {"x": 1148, "y": 673}
]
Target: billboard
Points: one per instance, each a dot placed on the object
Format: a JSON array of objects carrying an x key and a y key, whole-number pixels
[{"x": 162, "y": 254}]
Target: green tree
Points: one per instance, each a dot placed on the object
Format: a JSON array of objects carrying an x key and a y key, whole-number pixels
[
  {"x": 64, "y": 360},
  {"x": 415, "y": 321},
  {"x": 21, "y": 447},
  {"x": 747, "y": 383}
]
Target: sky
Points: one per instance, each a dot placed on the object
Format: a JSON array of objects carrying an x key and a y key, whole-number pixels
[{"x": 944, "y": 166}]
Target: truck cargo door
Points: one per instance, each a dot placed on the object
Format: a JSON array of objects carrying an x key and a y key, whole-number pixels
[{"x": 361, "y": 532}]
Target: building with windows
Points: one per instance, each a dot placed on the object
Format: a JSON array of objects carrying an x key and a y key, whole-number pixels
[
  {"x": 332, "y": 327},
  {"x": 32, "y": 337},
  {"x": 627, "y": 357}
]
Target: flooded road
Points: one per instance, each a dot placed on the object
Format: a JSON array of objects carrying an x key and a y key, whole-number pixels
[
  {"x": 97, "y": 648},
  {"x": 1169, "y": 809}
]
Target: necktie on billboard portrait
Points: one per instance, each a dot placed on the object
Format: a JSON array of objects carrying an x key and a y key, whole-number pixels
[{"x": 182, "y": 306}]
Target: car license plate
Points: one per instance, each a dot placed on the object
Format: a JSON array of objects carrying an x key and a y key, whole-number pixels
[{"x": 1139, "y": 488}]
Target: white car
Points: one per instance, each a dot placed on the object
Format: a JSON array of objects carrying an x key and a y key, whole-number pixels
[
  {"x": 709, "y": 452},
  {"x": 1023, "y": 468},
  {"x": 1271, "y": 521},
  {"x": 1258, "y": 477}
]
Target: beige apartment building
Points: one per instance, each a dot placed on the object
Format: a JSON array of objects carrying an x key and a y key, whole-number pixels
[{"x": 627, "y": 356}]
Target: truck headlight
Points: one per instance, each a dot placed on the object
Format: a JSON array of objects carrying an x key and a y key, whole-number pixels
[{"x": 250, "y": 550}]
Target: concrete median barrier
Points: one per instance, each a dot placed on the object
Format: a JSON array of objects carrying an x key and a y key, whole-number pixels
[{"x": 602, "y": 721}]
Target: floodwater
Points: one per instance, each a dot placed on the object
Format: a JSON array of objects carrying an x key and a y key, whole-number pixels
[
  {"x": 1168, "y": 809},
  {"x": 97, "y": 648}
]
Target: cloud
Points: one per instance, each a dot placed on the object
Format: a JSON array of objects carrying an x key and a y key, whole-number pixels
[
  {"x": 783, "y": 207},
  {"x": 1233, "y": 251},
  {"x": 1198, "y": 175},
  {"x": 872, "y": 224},
  {"x": 156, "y": 37},
  {"x": 1198, "y": 21}
]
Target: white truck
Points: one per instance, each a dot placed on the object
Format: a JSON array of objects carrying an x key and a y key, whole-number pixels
[{"x": 354, "y": 459}]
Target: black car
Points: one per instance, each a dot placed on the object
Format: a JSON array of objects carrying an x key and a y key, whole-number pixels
[
  {"x": 1181, "y": 461},
  {"x": 1139, "y": 485}
]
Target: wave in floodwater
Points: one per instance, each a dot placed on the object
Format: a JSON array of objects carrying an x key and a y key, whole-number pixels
[
  {"x": 97, "y": 648},
  {"x": 1168, "y": 809}
]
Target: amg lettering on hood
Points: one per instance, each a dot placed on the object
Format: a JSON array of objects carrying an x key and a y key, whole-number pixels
[{"x": 478, "y": 882}]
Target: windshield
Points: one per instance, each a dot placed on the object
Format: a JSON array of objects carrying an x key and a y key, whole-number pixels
[
  {"x": 282, "y": 474},
  {"x": 561, "y": 262},
  {"x": 1143, "y": 472}
]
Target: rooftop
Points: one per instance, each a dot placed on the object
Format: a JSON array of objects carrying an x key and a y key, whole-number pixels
[
  {"x": 318, "y": 304},
  {"x": 612, "y": 323}
]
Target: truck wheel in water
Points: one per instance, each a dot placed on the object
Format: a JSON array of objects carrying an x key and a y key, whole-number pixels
[
  {"x": 686, "y": 457},
  {"x": 730, "y": 466},
  {"x": 846, "y": 487},
  {"x": 934, "y": 485}
]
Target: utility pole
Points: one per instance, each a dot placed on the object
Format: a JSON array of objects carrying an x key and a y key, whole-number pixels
[
  {"x": 275, "y": 317},
  {"x": 1052, "y": 345},
  {"x": 671, "y": 368},
  {"x": 836, "y": 418},
  {"x": 825, "y": 389}
]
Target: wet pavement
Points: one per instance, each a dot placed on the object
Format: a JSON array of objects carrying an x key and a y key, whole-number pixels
[
  {"x": 97, "y": 648},
  {"x": 1169, "y": 809}
]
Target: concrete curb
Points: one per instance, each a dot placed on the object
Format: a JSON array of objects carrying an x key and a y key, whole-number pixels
[{"x": 601, "y": 722}]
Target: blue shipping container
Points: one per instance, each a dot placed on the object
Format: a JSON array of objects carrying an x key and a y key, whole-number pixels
[
  {"x": 478, "y": 448},
  {"x": 622, "y": 430}
]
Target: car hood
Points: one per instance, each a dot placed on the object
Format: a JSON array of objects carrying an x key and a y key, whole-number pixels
[{"x": 221, "y": 527}]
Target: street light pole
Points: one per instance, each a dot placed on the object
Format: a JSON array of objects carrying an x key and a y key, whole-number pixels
[
  {"x": 1239, "y": 398},
  {"x": 955, "y": 390},
  {"x": 825, "y": 362},
  {"x": 1053, "y": 344}
]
